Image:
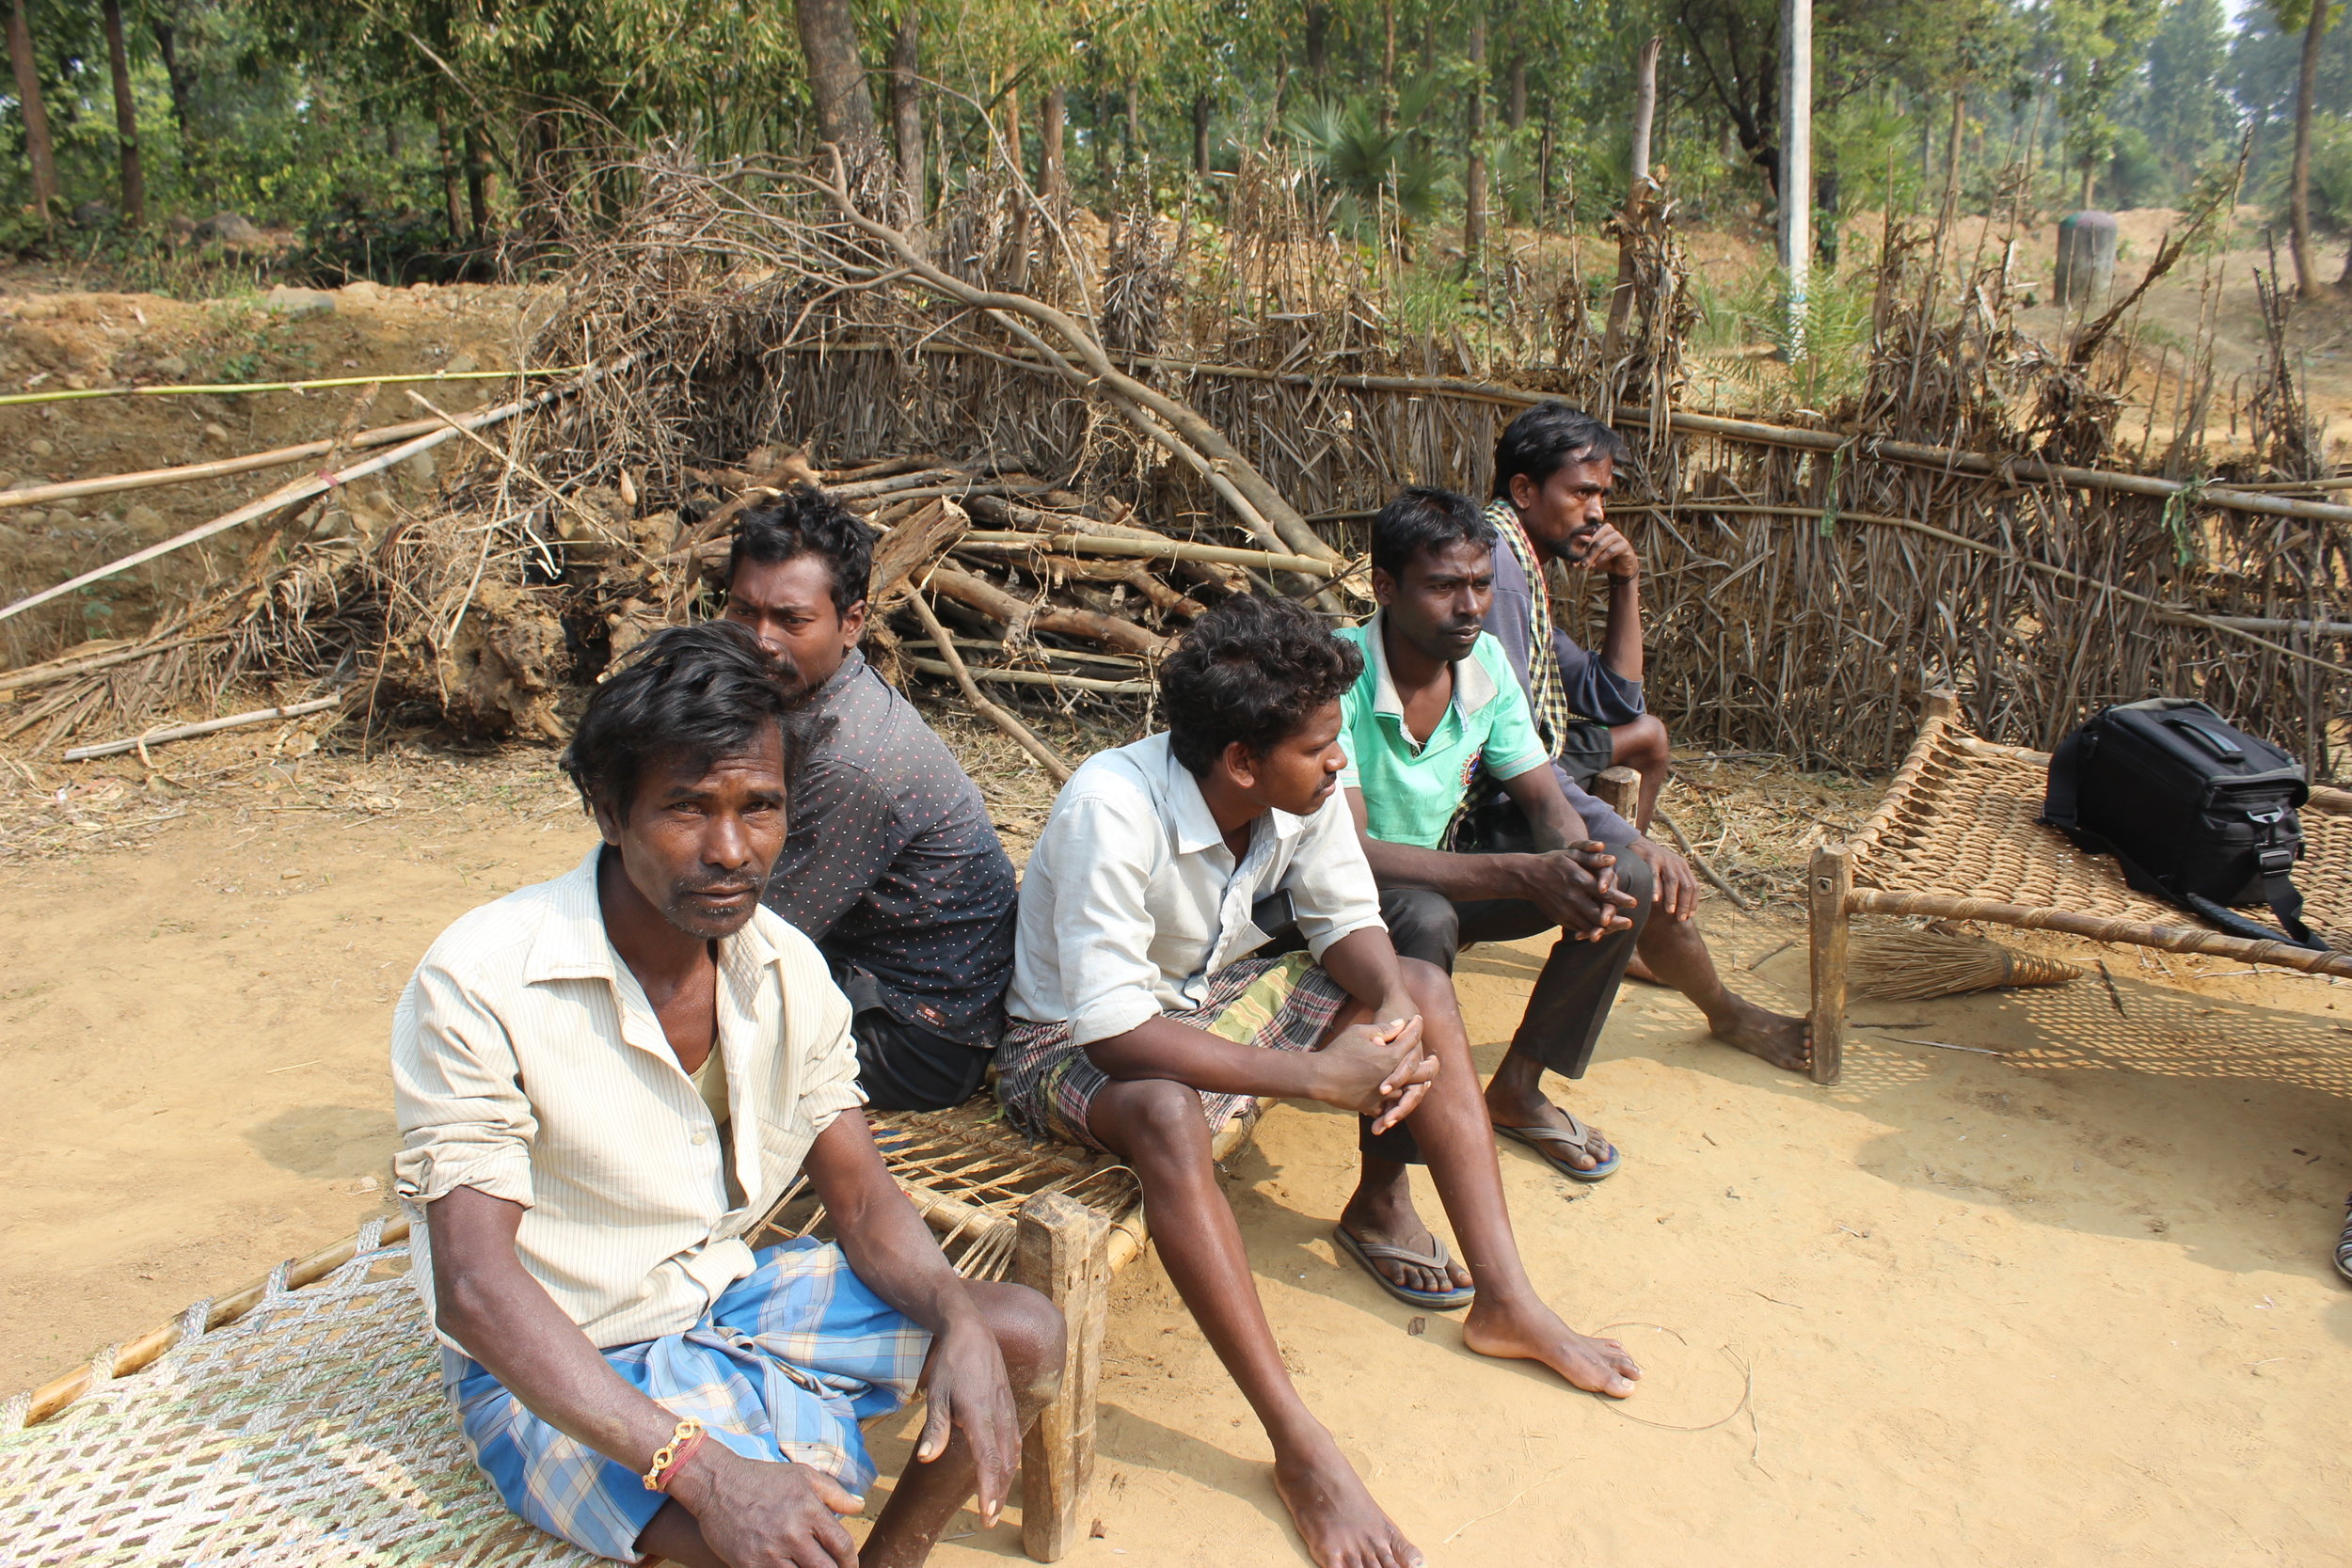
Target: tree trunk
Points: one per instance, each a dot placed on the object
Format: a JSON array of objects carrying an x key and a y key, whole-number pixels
[
  {"x": 1135, "y": 118},
  {"x": 452, "y": 199},
  {"x": 2307, "y": 283},
  {"x": 1018, "y": 277},
  {"x": 1318, "y": 45},
  {"x": 1644, "y": 114},
  {"x": 1474, "y": 177},
  {"x": 906, "y": 109},
  {"x": 167, "y": 45},
  {"x": 1644, "y": 109},
  {"x": 1202, "y": 107},
  {"x": 837, "y": 79},
  {"x": 1053, "y": 173},
  {"x": 478, "y": 183},
  {"x": 1515, "y": 103},
  {"x": 37, "y": 151},
  {"x": 126, "y": 119},
  {"x": 1388, "y": 66}
]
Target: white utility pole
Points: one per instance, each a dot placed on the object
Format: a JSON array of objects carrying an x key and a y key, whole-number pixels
[{"x": 1796, "y": 158}]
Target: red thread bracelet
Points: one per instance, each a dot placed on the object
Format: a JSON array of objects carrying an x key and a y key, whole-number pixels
[{"x": 669, "y": 1472}]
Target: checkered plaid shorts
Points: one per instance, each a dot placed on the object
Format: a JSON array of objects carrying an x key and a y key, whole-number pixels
[
  {"x": 784, "y": 1366},
  {"x": 1047, "y": 1084}
]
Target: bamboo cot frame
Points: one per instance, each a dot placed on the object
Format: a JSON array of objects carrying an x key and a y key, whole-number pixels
[
  {"x": 1058, "y": 1220},
  {"x": 1839, "y": 887}
]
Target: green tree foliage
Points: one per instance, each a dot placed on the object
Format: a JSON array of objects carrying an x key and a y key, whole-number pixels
[{"x": 407, "y": 116}]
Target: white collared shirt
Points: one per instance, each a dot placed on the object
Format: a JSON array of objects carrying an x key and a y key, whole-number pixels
[
  {"x": 1130, "y": 899},
  {"x": 527, "y": 1063}
]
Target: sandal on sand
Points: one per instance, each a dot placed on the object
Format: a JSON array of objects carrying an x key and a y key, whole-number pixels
[
  {"x": 2343, "y": 1245},
  {"x": 1370, "y": 1254},
  {"x": 1556, "y": 1147}
]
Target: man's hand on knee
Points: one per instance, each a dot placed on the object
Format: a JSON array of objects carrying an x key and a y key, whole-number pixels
[
  {"x": 761, "y": 1514},
  {"x": 1377, "y": 1070},
  {"x": 1678, "y": 894},
  {"x": 1577, "y": 888}
]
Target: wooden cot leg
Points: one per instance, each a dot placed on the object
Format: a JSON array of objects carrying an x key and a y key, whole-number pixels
[
  {"x": 1619, "y": 789},
  {"x": 1829, "y": 892},
  {"x": 1062, "y": 1249}
]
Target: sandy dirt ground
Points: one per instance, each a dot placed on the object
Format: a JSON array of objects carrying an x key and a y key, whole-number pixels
[{"x": 2060, "y": 1296}]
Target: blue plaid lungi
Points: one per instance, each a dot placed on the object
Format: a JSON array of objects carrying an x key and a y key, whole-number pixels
[{"x": 787, "y": 1363}]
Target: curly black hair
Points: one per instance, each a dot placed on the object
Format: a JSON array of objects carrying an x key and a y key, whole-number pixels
[
  {"x": 701, "y": 692},
  {"x": 806, "y": 521},
  {"x": 1548, "y": 436},
  {"x": 1251, "y": 670}
]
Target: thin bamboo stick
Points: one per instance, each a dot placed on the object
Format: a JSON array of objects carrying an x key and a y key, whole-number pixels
[
  {"x": 1148, "y": 550},
  {"x": 1035, "y": 677},
  {"x": 208, "y": 726},
  {"x": 302, "y": 490},
  {"x": 2173, "y": 939},
  {"x": 149, "y": 478},
  {"x": 232, "y": 388},
  {"x": 42, "y": 674}
]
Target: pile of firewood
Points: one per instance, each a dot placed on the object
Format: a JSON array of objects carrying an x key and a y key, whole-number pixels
[{"x": 994, "y": 577}]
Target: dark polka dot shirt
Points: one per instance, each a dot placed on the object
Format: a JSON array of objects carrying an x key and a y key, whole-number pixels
[{"x": 891, "y": 865}]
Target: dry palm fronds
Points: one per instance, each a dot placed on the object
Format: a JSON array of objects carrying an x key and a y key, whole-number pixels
[{"x": 1908, "y": 964}]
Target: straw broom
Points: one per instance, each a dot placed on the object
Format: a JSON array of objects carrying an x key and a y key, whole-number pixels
[{"x": 1910, "y": 964}]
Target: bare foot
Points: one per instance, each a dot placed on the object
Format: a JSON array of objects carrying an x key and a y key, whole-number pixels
[
  {"x": 1385, "y": 1222},
  {"x": 1336, "y": 1516},
  {"x": 1636, "y": 970},
  {"x": 1537, "y": 1334},
  {"x": 1785, "y": 1042}
]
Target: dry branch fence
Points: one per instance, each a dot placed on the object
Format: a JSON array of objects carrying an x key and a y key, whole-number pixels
[
  {"x": 1804, "y": 586},
  {"x": 1787, "y": 608}
]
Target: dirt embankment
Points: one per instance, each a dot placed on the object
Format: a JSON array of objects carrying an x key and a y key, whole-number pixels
[{"x": 65, "y": 341}]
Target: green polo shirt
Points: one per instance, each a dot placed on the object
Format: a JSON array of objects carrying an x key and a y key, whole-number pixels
[{"x": 1411, "y": 792}]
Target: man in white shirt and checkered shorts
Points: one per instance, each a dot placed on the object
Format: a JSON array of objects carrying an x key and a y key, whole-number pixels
[
  {"x": 1143, "y": 1016},
  {"x": 605, "y": 1083}
]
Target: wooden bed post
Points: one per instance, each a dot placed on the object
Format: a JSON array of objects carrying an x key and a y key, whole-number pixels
[
  {"x": 1829, "y": 889},
  {"x": 1062, "y": 1250},
  {"x": 1618, "y": 788}
]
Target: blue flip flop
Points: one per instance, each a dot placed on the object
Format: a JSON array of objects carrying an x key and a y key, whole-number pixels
[
  {"x": 1555, "y": 1145},
  {"x": 1370, "y": 1254}
]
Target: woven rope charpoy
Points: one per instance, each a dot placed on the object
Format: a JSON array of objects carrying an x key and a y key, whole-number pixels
[{"x": 312, "y": 1432}]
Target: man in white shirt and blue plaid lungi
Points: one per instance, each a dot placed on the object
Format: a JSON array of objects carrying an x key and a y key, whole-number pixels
[{"x": 605, "y": 1084}]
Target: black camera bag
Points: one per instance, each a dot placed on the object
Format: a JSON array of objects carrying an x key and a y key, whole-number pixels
[{"x": 2196, "y": 811}]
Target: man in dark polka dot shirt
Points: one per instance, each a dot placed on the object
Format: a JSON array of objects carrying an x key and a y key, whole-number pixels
[{"x": 890, "y": 864}]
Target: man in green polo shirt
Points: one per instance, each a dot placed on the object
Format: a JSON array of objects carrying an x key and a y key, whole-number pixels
[{"x": 1436, "y": 707}]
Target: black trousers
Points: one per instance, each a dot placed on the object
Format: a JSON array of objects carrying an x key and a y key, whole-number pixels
[
  {"x": 905, "y": 1067},
  {"x": 1572, "y": 995}
]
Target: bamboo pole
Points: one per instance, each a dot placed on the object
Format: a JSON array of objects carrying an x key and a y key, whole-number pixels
[
  {"x": 208, "y": 726},
  {"x": 1034, "y": 677},
  {"x": 1147, "y": 549},
  {"x": 2173, "y": 939},
  {"x": 149, "y": 478},
  {"x": 231, "y": 388},
  {"x": 302, "y": 490},
  {"x": 42, "y": 674}
]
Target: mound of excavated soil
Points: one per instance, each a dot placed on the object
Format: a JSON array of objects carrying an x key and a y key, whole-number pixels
[{"x": 51, "y": 341}]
